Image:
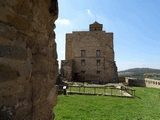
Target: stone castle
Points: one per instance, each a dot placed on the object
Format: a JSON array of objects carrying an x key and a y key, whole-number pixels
[{"x": 90, "y": 56}]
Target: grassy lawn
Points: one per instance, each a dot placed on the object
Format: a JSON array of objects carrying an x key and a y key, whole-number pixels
[{"x": 145, "y": 106}]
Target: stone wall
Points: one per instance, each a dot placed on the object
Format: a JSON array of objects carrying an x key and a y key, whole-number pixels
[
  {"x": 143, "y": 83},
  {"x": 121, "y": 79},
  {"x": 136, "y": 82},
  {"x": 152, "y": 83},
  {"x": 67, "y": 68},
  {"x": 28, "y": 59}
]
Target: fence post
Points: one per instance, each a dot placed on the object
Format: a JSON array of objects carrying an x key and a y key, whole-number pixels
[
  {"x": 70, "y": 89},
  {"x": 111, "y": 91},
  {"x": 121, "y": 92}
]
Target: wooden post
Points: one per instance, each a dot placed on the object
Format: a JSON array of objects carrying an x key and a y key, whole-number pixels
[
  {"x": 111, "y": 91},
  {"x": 70, "y": 88},
  {"x": 121, "y": 92}
]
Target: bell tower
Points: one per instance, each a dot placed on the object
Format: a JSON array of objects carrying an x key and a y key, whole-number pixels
[{"x": 96, "y": 26}]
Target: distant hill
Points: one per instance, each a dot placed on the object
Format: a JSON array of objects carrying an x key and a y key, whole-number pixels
[
  {"x": 141, "y": 73},
  {"x": 140, "y": 70}
]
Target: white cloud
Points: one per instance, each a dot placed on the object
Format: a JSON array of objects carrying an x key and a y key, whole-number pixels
[
  {"x": 63, "y": 21},
  {"x": 89, "y": 12}
]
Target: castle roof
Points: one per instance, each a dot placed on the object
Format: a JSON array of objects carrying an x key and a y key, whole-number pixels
[{"x": 96, "y": 22}]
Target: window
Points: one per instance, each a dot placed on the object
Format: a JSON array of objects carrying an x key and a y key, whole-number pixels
[
  {"x": 83, "y": 72},
  {"x": 98, "y": 62},
  {"x": 82, "y": 62},
  {"x": 83, "y": 54},
  {"x": 98, "y": 53},
  {"x": 98, "y": 72}
]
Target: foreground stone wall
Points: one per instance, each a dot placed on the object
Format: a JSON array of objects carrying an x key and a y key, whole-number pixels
[{"x": 28, "y": 59}]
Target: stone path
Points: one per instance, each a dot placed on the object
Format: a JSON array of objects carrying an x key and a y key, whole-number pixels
[{"x": 126, "y": 94}]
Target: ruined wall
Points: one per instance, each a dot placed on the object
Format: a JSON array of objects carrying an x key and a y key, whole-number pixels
[
  {"x": 28, "y": 59},
  {"x": 121, "y": 79},
  {"x": 67, "y": 68},
  {"x": 136, "y": 82},
  {"x": 147, "y": 82},
  {"x": 152, "y": 83}
]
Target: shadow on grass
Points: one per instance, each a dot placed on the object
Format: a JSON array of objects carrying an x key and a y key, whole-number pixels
[{"x": 138, "y": 97}]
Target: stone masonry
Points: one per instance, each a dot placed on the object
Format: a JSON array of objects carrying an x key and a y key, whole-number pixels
[
  {"x": 93, "y": 55},
  {"x": 28, "y": 59}
]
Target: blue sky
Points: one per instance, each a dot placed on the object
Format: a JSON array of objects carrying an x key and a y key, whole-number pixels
[{"x": 135, "y": 24}]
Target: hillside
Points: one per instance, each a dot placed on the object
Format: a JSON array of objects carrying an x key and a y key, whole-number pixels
[{"x": 141, "y": 73}]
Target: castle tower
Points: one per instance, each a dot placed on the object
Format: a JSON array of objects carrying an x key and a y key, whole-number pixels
[{"x": 90, "y": 56}]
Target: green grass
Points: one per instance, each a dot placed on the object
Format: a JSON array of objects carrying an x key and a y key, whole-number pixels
[{"x": 145, "y": 106}]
